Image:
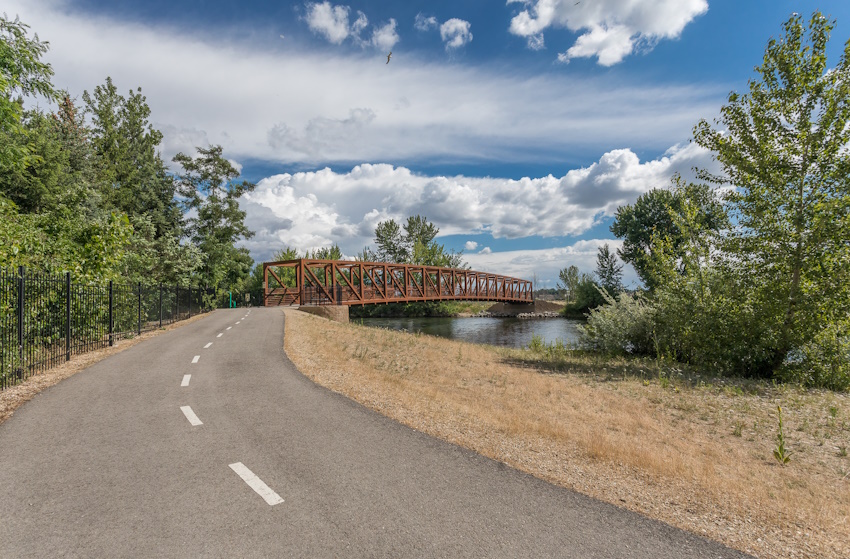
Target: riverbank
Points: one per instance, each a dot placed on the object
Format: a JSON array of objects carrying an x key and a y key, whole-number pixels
[{"x": 693, "y": 452}]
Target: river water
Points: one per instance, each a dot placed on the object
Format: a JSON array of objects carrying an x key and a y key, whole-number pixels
[{"x": 506, "y": 332}]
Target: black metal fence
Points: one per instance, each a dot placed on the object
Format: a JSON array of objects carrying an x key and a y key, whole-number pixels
[{"x": 46, "y": 318}]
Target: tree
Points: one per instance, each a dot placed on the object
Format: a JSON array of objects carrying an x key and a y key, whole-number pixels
[
  {"x": 208, "y": 185},
  {"x": 569, "y": 279},
  {"x": 654, "y": 216},
  {"x": 328, "y": 253},
  {"x": 22, "y": 73},
  {"x": 132, "y": 175},
  {"x": 609, "y": 271},
  {"x": 782, "y": 146},
  {"x": 415, "y": 245}
]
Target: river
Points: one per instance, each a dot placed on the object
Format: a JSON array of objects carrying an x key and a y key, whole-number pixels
[{"x": 506, "y": 332}]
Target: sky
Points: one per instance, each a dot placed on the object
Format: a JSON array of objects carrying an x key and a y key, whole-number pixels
[{"x": 518, "y": 127}]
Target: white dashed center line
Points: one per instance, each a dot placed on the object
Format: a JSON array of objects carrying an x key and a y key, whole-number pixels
[
  {"x": 208, "y": 345},
  {"x": 238, "y": 321},
  {"x": 196, "y": 358},
  {"x": 229, "y": 327},
  {"x": 190, "y": 415},
  {"x": 220, "y": 335},
  {"x": 256, "y": 484},
  {"x": 185, "y": 380}
]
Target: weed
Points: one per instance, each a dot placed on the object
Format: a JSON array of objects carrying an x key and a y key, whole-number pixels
[
  {"x": 739, "y": 429},
  {"x": 833, "y": 411},
  {"x": 781, "y": 453},
  {"x": 536, "y": 344},
  {"x": 664, "y": 380},
  {"x": 842, "y": 451}
]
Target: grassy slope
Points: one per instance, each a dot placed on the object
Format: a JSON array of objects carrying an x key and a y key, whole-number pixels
[{"x": 691, "y": 451}]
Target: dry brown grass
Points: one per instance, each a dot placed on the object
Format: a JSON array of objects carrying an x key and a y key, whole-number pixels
[
  {"x": 693, "y": 454},
  {"x": 14, "y": 397}
]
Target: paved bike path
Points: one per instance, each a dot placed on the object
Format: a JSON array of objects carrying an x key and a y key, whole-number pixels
[{"x": 106, "y": 464}]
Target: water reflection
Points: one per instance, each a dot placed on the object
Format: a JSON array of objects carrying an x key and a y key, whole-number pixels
[{"x": 507, "y": 332}]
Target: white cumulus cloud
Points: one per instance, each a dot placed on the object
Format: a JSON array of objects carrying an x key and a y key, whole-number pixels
[
  {"x": 314, "y": 209},
  {"x": 332, "y": 22},
  {"x": 455, "y": 33},
  {"x": 610, "y": 29},
  {"x": 470, "y": 245},
  {"x": 329, "y": 21}
]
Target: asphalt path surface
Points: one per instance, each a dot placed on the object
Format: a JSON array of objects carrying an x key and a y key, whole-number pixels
[{"x": 108, "y": 464}]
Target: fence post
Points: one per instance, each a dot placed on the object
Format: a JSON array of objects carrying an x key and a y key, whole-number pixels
[
  {"x": 20, "y": 318},
  {"x": 110, "y": 313},
  {"x": 139, "y": 329},
  {"x": 160, "y": 304},
  {"x": 67, "y": 316},
  {"x": 177, "y": 304},
  {"x": 190, "y": 301}
]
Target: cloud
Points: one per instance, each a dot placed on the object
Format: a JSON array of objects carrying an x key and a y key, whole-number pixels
[
  {"x": 610, "y": 29},
  {"x": 485, "y": 250},
  {"x": 424, "y": 111},
  {"x": 546, "y": 263},
  {"x": 455, "y": 33},
  {"x": 385, "y": 37},
  {"x": 313, "y": 209},
  {"x": 423, "y": 23},
  {"x": 329, "y": 21}
]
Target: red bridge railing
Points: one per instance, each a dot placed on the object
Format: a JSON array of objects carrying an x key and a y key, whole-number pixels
[{"x": 344, "y": 282}]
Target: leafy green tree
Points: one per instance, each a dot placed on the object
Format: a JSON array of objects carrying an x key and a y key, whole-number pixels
[
  {"x": 415, "y": 245},
  {"x": 151, "y": 260},
  {"x": 390, "y": 242},
  {"x": 782, "y": 146},
  {"x": 654, "y": 215},
  {"x": 569, "y": 279},
  {"x": 328, "y": 253},
  {"x": 208, "y": 185},
  {"x": 22, "y": 73},
  {"x": 609, "y": 271}
]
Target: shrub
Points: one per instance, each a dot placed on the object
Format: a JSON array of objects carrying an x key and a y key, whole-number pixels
[
  {"x": 620, "y": 327},
  {"x": 824, "y": 362}
]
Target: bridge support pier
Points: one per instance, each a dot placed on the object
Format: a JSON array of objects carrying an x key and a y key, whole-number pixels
[{"x": 337, "y": 313}]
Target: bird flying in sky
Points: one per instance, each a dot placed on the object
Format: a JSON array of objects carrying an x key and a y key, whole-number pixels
[{"x": 388, "y": 57}]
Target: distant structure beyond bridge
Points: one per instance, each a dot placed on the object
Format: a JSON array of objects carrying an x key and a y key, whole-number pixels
[{"x": 344, "y": 282}]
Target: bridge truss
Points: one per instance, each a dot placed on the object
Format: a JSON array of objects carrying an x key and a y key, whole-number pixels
[{"x": 342, "y": 282}]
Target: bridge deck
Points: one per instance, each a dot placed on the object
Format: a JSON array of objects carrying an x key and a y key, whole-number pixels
[{"x": 343, "y": 282}]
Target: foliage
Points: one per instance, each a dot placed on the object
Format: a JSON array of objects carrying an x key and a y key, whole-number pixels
[
  {"x": 781, "y": 453},
  {"x": 824, "y": 361},
  {"x": 569, "y": 279},
  {"x": 208, "y": 185},
  {"x": 653, "y": 216},
  {"x": 609, "y": 271},
  {"x": 21, "y": 73},
  {"x": 783, "y": 148},
  {"x": 415, "y": 245},
  {"x": 132, "y": 176},
  {"x": 327, "y": 253},
  {"x": 151, "y": 260},
  {"x": 623, "y": 326}
]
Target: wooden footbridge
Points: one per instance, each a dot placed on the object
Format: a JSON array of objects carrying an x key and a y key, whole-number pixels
[{"x": 344, "y": 282}]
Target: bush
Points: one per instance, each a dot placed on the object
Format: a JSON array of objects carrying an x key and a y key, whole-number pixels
[
  {"x": 824, "y": 362},
  {"x": 620, "y": 327}
]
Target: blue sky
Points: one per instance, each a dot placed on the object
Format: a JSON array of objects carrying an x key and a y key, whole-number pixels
[{"x": 518, "y": 127}]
